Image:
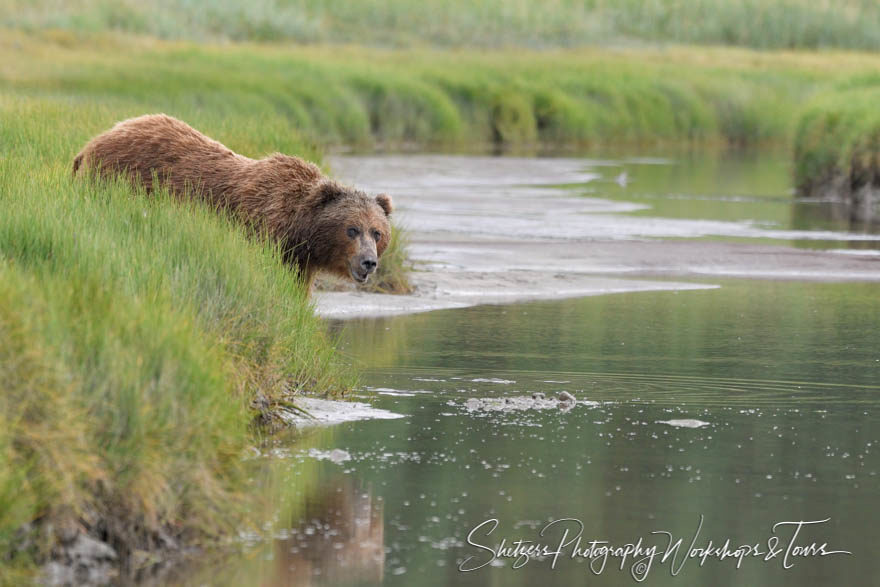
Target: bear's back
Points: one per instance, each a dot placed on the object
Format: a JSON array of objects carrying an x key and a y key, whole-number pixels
[{"x": 160, "y": 145}]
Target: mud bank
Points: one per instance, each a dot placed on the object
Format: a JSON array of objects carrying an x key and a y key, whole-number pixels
[
  {"x": 440, "y": 290},
  {"x": 488, "y": 230}
]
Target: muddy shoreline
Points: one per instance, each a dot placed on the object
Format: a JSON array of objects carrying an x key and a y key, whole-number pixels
[{"x": 488, "y": 230}]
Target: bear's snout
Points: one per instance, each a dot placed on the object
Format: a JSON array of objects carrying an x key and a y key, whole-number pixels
[{"x": 363, "y": 266}]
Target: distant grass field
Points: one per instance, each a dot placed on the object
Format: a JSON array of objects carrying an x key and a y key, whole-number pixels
[
  {"x": 136, "y": 333},
  {"x": 773, "y": 24},
  {"x": 368, "y": 98}
]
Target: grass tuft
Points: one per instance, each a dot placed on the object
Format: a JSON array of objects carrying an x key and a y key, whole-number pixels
[{"x": 837, "y": 148}]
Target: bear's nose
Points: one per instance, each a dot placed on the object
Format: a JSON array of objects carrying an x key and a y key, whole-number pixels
[{"x": 369, "y": 265}]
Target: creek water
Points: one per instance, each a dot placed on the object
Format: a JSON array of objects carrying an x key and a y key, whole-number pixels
[{"x": 705, "y": 416}]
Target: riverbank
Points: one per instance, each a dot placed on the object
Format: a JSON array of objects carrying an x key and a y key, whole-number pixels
[
  {"x": 143, "y": 340},
  {"x": 837, "y": 148},
  {"x": 368, "y": 98}
]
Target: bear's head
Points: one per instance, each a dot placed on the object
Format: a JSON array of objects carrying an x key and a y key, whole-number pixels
[{"x": 349, "y": 230}]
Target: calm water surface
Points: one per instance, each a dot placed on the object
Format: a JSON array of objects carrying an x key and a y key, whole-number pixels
[
  {"x": 785, "y": 375},
  {"x": 740, "y": 186}
]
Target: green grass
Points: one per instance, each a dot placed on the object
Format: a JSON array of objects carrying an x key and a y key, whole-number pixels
[
  {"x": 837, "y": 145},
  {"x": 368, "y": 98},
  {"x": 852, "y": 24},
  {"x": 137, "y": 331}
]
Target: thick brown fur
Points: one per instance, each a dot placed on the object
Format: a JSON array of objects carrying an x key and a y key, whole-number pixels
[{"x": 321, "y": 224}]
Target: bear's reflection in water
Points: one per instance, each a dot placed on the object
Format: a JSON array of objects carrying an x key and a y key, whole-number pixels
[{"x": 338, "y": 539}]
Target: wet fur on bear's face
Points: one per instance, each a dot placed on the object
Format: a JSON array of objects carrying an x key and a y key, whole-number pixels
[{"x": 346, "y": 234}]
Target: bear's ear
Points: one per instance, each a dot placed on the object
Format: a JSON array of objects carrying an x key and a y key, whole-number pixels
[
  {"x": 328, "y": 192},
  {"x": 384, "y": 201}
]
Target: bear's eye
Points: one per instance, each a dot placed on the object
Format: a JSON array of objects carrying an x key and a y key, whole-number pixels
[
  {"x": 353, "y": 232},
  {"x": 377, "y": 235}
]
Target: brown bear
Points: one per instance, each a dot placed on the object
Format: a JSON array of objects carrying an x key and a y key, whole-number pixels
[{"x": 320, "y": 224}]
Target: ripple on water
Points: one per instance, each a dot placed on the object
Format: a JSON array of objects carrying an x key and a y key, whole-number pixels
[{"x": 684, "y": 423}]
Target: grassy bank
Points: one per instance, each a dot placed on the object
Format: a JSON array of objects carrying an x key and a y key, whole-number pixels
[
  {"x": 370, "y": 98},
  {"x": 837, "y": 147},
  {"x": 138, "y": 333},
  {"x": 780, "y": 24}
]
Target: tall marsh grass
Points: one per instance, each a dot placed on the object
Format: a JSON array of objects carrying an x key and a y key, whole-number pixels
[
  {"x": 765, "y": 24},
  {"x": 136, "y": 333},
  {"x": 364, "y": 98}
]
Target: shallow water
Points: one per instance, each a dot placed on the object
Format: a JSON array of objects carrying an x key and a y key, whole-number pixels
[
  {"x": 750, "y": 187},
  {"x": 710, "y": 414},
  {"x": 786, "y": 375},
  {"x": 740, "y": 195}
]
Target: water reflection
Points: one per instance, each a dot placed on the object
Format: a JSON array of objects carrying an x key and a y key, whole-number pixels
[
  {"x": 806, "y": 215},
  {"x": 314, "y": 523},
  {"x": 336, "y": 539}
]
